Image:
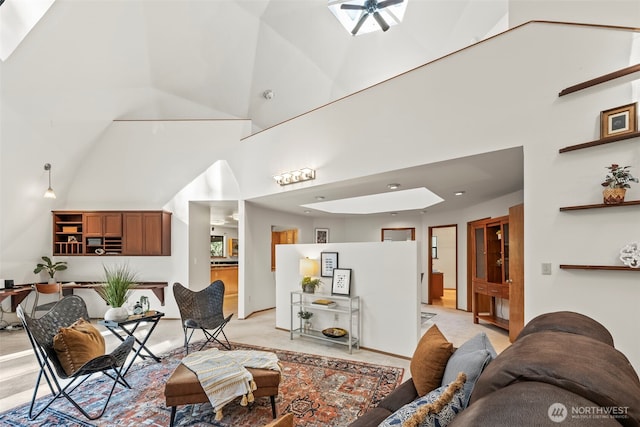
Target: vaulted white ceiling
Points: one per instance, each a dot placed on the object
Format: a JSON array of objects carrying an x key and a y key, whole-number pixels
[{"x": 215, "y": 58}]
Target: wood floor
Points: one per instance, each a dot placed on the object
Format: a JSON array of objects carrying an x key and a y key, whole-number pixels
[{"x": 448, "y": 300}]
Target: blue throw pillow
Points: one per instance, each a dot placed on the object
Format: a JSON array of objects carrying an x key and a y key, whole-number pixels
[
  {"x": 435, "y": 409},
  {"x": 471, "y": 358}
]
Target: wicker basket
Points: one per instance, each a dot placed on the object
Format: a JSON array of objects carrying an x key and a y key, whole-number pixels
[{"x": 613, "y": 196}]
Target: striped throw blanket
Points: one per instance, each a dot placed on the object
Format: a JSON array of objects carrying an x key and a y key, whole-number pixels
[{"x": 223, "y": 374}]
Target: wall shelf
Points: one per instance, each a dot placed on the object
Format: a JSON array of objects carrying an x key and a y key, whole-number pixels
[
  {"x": 597, "y": 267},
  {"x": 599, "y": 205},
  {"x": 605, "y": 78},
  {"x": 601, "y": 141}
]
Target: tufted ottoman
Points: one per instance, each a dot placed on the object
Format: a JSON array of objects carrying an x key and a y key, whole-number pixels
[{"x": 183, "y": 388}]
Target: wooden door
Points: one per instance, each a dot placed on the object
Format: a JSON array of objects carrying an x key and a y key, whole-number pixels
[{"x": 516, "y": 270}]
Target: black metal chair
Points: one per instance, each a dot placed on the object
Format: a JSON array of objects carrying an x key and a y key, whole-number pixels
[
  {"x": 202, "y": 310},
  {"x": 41, "y": 332}
]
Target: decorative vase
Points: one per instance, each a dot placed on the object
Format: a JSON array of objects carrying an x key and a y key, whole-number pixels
[
  {"x": 307, "y": 326},
  {"x": 116, "y": 314},
  {"x": 309, "y": 289},
  {"x": 613, "y": 196}
]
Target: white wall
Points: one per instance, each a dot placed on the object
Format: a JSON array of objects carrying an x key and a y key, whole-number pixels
[{"x": 384, "y": 276}]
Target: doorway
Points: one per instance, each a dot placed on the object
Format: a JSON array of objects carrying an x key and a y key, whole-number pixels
[{"x": 443, "y": 266}]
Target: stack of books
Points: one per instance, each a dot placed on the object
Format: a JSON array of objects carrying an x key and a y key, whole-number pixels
[{"x": 324, "y": 302}]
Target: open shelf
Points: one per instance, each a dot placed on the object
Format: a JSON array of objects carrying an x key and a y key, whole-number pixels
[
  {"x": 599, "y": 205},
  {"x": 601, "y": 141},
  {"x": 597, "y": 267},
  {"x": 601, "y": 79}
]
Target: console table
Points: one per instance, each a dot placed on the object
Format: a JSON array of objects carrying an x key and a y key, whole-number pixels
[{"x": 156, "y": 287}]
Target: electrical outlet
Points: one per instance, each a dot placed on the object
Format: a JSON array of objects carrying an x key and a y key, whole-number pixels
[
  {"x": 546, "y": 268},
  {"x": 335, "y": 317}
]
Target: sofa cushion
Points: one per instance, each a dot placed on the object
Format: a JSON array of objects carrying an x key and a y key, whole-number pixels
[
  {"x": 78, "y": 344},
  {"x": 579, "y": 364},
  {"x": 437, "y": 408},
  {"x": 528, "y": 404},
  {"x": 429, "y": 360},
  {"x": 568, "y": 321},
  {"x": 471, "y": 358}
]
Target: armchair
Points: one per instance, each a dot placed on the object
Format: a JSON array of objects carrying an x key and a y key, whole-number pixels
[{"x": 202, "y": 310}]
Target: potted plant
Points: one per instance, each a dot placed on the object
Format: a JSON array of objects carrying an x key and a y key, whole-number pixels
[
  {"x": 306, "y": 315},
  {"x": 309, "y": 284},
  {"x": 616, "y": 182},
  {"x": 50, "y": 267},
  {"x": 119, "y": 280}
]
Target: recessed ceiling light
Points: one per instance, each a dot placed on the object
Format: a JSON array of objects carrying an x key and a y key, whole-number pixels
[
  {"x": 319, "y": 197},
  {"x": 394, "y": 213},
  {"x": 307, "y": 212},
  {"x": 218, "y": 222},
  {"x": 459, "y": 193},
  {"x": 393, "y": 186}
]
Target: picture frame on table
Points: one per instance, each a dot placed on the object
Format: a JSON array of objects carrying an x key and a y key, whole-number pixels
[
  {"x": 322, "y": 235},
  {"x": 618, "y": 121},
  {"x": 328, "y": 262},
  {"x": 341, "y": 283}
]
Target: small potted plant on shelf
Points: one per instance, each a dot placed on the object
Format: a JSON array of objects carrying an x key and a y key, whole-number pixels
[
  {"x": 119, "y": 280},
  {"x": 309, "y": 284},
  {"x": 50, "y": 267},
  {"x": 616, "y": 182},
  {"x": 306, "y": 315}
]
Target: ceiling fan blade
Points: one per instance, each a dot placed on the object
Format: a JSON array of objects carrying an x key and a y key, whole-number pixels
[
  {"x": 383, "y": 24},
  {"x": 387, "y": 3},
  {"x": 352, "y": 7},
  {"x": 359, "y": 24}
]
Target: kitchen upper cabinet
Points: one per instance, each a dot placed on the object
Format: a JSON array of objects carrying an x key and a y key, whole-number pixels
[
  {"x": 147, "y": 233},
  {"x": 112, "y": 233}
]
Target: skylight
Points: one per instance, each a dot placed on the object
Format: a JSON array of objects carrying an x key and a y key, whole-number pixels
[{"x": 415, "y": 198}]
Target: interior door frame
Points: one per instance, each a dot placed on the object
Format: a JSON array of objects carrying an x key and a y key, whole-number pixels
[{"x": 430, "y": 259}]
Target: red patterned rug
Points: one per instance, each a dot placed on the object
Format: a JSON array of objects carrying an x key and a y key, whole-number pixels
[{"x": 319, "y": 391}]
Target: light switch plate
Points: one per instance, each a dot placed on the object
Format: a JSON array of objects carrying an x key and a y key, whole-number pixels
[{"x": 546, "y": 268}]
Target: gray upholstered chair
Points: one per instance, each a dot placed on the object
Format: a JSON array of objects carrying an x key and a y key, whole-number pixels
[
  {"x": 202, "y": 310},
  {"x": 41, "y": 333}
]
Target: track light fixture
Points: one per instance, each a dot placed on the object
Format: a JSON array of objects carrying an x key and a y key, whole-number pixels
[{"x": 49, "y": 194}]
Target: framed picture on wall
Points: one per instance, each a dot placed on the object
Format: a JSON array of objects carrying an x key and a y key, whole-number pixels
[
  {"x": 618, "y": 121},
  {"x": 328, "y": 262},
  {"x": 322, "y": 235},
  {"x": 341, "y": 283}
]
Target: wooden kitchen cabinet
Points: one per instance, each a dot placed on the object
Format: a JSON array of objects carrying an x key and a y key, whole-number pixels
[
  {"x": 147, "y": 233},
  {"x": 112, "y": 233}
]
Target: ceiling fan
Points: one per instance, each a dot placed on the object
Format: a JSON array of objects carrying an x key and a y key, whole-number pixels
[{"x": 371, "y": 7}]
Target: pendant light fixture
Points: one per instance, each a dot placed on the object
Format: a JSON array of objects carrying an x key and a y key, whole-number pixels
[{"x": 49, "y": 194}]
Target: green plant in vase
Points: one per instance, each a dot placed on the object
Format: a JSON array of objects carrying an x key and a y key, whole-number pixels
[
  {"x": 309, "y": 284},
  {"x": 616, "y": 182},
  {"x": 50, "y": 267},
  {"x": 119, "y": 280}
]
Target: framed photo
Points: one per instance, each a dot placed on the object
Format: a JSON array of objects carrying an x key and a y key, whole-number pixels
[
  {"x": 322, "y": 235},
  {"x": 328, "y": 262},
  {"x": 341, "y": 283},
  {"x": 618, "y": 121}
]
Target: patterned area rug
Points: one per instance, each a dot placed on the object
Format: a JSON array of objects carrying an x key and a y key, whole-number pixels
[{"x": 319, "y": 391}]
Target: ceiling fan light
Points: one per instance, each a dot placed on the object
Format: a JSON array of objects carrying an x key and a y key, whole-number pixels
[{"x": 354, "y": 17}]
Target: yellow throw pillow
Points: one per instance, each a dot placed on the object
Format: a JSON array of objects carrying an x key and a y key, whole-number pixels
[
  {"x": 429, "y": 360},
  {"x": 78, "y": 344}
]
